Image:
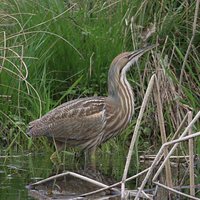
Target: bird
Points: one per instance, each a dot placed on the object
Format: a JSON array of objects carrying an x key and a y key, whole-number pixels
[{"x": 89, "y": 122}]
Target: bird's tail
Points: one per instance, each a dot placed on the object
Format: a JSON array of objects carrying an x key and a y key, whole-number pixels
[{"x": 33, "y": 129}]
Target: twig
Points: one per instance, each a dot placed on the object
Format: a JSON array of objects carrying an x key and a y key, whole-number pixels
[
  {"x": 162, "y": 132},
  {"x": 178, "y": 140},
  {"x": 176, "y": 191},
  {"x": 180, "y": 126},
  {"x": 154, "y": 163},
  {"x": 159, "y": 155},
  {"x": 151, "y": 157},
  {"x": 72, "y": 174},
  {"x": 116, "y": 184},
  {"x": 4, "y": 51},
  {"x": 191, "y": 40},
  {"x": 135, "y": 134},
  {"x": 157, "y": 158},
  {"x": 147, "y": 196},
  {"x": 191, "y": 158}
]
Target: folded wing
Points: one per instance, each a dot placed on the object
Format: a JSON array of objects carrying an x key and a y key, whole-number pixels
[{"x": 79, "y": 120}]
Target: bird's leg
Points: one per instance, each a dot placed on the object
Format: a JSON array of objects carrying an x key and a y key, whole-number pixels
[
  {"x": 90, "y": 158},
  {"x": 55, "y": 158},
  {"x": 92, "y": 154}
]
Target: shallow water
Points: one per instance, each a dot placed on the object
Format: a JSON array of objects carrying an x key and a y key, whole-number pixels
[{"x": 18, "y": 171}]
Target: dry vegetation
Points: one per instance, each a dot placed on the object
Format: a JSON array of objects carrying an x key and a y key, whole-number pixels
[{"x": 55, "y": 51}]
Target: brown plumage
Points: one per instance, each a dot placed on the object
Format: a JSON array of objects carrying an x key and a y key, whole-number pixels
[{"x": 88, "y": 122}]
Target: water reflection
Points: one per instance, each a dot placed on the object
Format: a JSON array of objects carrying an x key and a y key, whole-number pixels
[{"x": 16, "y": 172}]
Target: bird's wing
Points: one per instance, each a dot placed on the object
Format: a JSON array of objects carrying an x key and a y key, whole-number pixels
[{"x": 80, "y": 119}]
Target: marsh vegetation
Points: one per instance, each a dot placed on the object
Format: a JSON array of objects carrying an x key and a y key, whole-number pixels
[{"x": 55, "y": 51}]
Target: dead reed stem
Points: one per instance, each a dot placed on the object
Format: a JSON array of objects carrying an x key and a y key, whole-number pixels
[
  {"x": 4, "y": 51},
  {"x": 159, "y": 154},
  {"x": 74, "y": 175},
  {"x": 191, "y": 158},
  {"x": 135, "y": 134},
  {"x": 151, "y": 157},
  {"x": 116, "y": 184},
  {"x": 180, "y": 127},
  {"x": 182, "y": 138},
  {"x": 176, "y": 191},
  {"x": 162, "y": 132}
]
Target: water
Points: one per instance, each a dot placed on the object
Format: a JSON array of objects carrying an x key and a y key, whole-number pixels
[{"x": 18, "y": 171}]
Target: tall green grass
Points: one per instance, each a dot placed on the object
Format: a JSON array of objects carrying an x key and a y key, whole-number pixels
[{"x": 53, "y": 51}]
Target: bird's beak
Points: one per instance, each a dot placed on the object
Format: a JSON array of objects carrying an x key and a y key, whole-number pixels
[{"x": 136, "y": 54}]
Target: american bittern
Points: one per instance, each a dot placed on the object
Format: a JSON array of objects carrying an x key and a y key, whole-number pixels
[{"x": 89, "y": 122}]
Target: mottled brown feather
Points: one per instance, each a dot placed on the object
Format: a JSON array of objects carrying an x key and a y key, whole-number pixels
[
  {"x": 88, "y": 122},
  {"x": 72, "y": 120}
]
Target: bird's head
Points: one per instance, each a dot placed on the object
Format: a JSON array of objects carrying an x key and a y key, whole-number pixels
[
  {"x": 124, "y": 61},
  {"x": 119, "y": 67}
]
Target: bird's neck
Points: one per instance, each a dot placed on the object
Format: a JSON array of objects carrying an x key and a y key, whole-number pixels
[{"x": 120, "y": 90}]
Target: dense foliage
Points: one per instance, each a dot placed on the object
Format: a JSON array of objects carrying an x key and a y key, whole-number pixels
[{"x": 52, "y": 51}]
